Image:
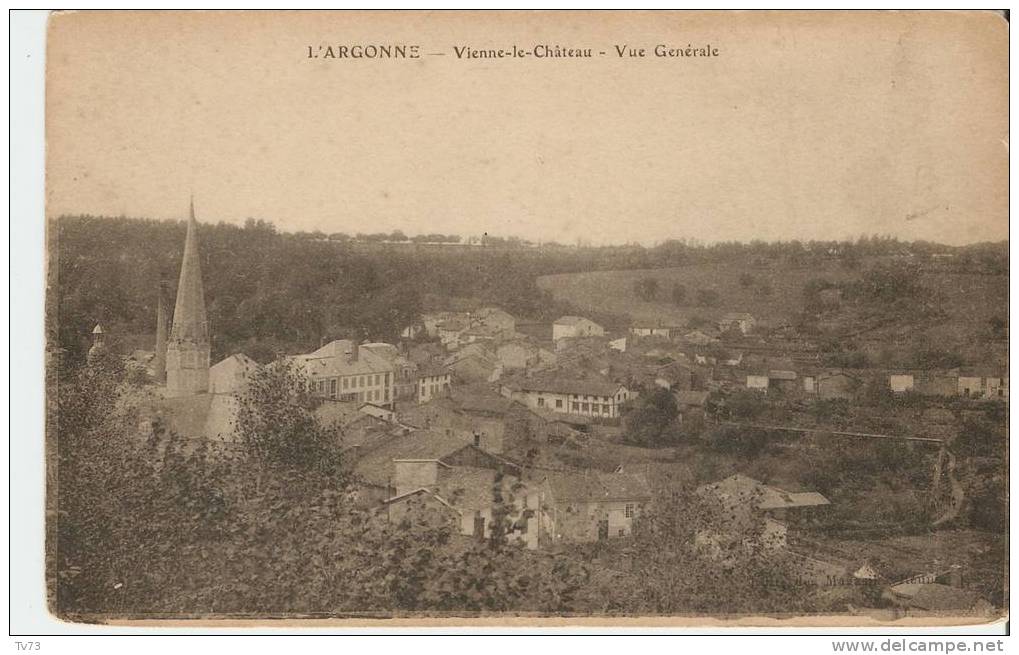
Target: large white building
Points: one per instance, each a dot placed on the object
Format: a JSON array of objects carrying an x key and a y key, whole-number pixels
[
  {"x": 345, "y": 371},
  {"x": 591, "y": 398}
]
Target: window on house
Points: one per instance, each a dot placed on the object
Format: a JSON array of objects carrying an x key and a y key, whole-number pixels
[
  {"x": 346, "y": 383},
  {"x": 387, "y": 395},
  {"x": 332, "y": 387},
  {"x": 387, "y": 379},
  {"x": 559, "y": 403},
  {"x": 622, "y": 532},
  {"x": 628, "y": 510},
  {"x": 576, "y": 407},
  {"x": 541, "y": 402},
  {"x": 378, "y": 379},
  {"x": 587, "y": 407}
]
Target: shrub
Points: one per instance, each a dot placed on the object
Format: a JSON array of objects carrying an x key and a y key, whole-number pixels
[
  {"x": 708, "y": 297},
  {"x": 646, "y": 288}
]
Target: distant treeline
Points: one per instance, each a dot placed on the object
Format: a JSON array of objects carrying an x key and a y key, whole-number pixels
[
  {"x": 269, "y": 291},
  {"x": 266, "y": 291}
]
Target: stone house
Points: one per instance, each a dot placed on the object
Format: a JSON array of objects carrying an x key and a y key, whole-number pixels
[
  {"x": 741, "y": 321},
  {"x": 588, "y": 505},
  {"x": 575, "y": 326}
]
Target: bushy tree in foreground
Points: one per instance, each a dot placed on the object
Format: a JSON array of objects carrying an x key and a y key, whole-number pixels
[
  {"x": 692, "y": 555},
  {"x": 652, "y": 422},
  {"x": 161, "y": 525},
  {"x": 276, "y": 424}
]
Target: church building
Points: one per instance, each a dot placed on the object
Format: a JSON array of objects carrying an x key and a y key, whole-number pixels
[{"x": 187, "y": 350}]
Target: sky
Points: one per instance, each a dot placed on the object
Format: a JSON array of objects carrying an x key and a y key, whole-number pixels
[{"x": 805, "y": 126}]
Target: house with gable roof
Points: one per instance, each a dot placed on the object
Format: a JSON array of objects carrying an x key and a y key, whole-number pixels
[{"x": 584, "y": 506}]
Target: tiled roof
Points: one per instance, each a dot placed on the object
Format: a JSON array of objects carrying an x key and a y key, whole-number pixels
[
  {"x": 406, "y": 496},
  {"x": 387, "y": 351},
  {"x": 482, "y": 330},
  {"x": 481, "y": 401},
  {"x": 337, "y": 413},
  {"x": 453, "y": 324},
  {"x": 585, "y": 387},
  {"x": 595, "y": 486},
  {"x": 571, "y": 320},
  {"x": 738, "y": 488},
  {"x": 376, "y": 466},
  {"x": 697, "y": 398},
  {"x": 493, "y": 313},
  {"x": 333, "y": 360},
  {"x": 241, "y": 359}
]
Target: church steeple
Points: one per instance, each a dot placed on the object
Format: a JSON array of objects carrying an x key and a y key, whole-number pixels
[{"x": 187, "y": 353}]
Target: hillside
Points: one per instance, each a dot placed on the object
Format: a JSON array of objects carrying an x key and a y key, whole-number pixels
[
  {"x": 612, "y": 291},
  {"x": 965, "y": 303}
]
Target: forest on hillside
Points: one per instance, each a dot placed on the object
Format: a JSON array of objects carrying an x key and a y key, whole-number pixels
[{"x": 269, "y": 291}]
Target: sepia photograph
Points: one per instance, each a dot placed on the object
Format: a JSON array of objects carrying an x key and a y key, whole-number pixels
[{"x": 526, "y": 318}]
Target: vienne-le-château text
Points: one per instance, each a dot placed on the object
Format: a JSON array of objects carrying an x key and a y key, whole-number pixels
[{"x": 538, "y": 51}]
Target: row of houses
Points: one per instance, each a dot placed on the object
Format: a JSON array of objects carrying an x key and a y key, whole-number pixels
[
  {"x": 441, "y": 474},
  {"x": 738, "y": 322},
  {"x": 840, "y": 384},
  {"x": 968, "y": 383}
]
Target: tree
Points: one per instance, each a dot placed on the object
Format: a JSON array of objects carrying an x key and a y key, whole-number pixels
[
  {"x": 708, "y": 297},
  {"x": 275, "y": 422},
  {"x": 678, "y": 293},
  {"x": 931, "y": 357},
  {"x": 690, "y": 556},
  {"x": 646, "y": 288},
  {"x": 746, "y": 404},
  {"x": 745, "y": 442},
  {"x": 652, "y": 421}
]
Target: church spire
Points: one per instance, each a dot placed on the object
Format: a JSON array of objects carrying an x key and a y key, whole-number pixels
[{"x": 187, "y": 353}]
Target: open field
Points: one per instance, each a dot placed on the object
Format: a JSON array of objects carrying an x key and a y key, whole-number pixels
[
  {"x": 612, "y": 291},
  {"x": 968, "y": 300}
]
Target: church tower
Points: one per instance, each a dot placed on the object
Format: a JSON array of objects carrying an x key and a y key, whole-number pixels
[
  {"x": 187, "y": 351},
  {"x": 159, "y": 365}
]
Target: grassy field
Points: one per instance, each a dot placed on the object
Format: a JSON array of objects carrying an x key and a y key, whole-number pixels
[
  {"x": 612, "y": 291},
  {"x": 969, "y": 300}
]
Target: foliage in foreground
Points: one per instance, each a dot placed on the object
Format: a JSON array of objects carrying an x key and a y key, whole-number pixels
[{"x": 169, "y": 526}]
